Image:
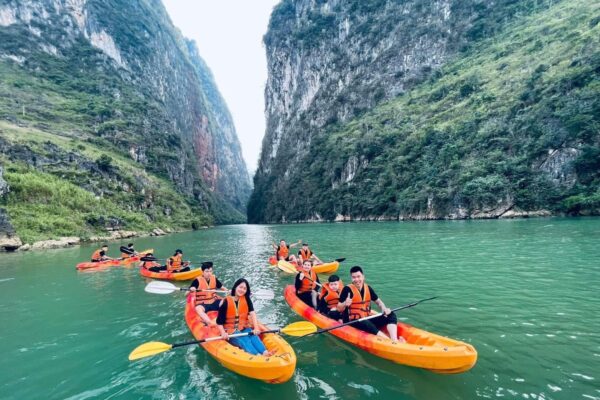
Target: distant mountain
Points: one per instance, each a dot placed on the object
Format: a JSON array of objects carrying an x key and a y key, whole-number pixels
[
  {"x": 428, "y": 110},
  {"x": 107, "y": 96}
]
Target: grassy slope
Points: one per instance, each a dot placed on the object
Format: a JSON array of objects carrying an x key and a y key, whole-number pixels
[{"x": 475, "y": 133}]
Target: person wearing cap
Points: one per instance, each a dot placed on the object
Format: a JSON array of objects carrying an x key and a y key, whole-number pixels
[
  {"x": 355, "y": 303},
  {"x": 330, "y": 297},
  {"x": 175, "y": 263},
  {"x": 206, "y": 299},
  {"x": 148, "y": 261},
  {"x": 306, "y": 283},
  {"x": 100, "y": 254},
  {"x": 305, "y": 253},
  {"x": 282, "y": 252}
]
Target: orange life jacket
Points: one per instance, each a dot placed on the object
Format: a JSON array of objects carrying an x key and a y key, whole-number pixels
[
  {"x": 361, "y": 306},
  {"x": 237, "y": 317},
  {"x": 203, "y": 297},
  {"x": 332, "y": 298},
  {"x": 174, "y": 262},
  {"x": 282, "y": 252},
  {"x": 96, "y": 255},
  {"x": 307, "y": 285},
  {"x": 305, "y": 255},
  {"x": 125, "y": 255}
]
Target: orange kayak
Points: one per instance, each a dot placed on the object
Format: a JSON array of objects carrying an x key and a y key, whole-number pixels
[
  {"x": 422, "y": 349},
  {"x": 172, "y": 276},
  {"x": 113, "y": 263},
  {"x": 277, "y": 368}
]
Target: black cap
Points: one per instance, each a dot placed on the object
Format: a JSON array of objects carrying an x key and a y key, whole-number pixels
[
  {"x": 304, "y": 244},
  {"x": 178, "y": 251}
]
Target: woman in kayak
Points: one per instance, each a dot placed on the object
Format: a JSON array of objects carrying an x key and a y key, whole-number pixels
[
  {"x": 127, "y": 251},
  {"x": 306, "y": 283},
  {"x": 236, "y": 315},
  {"x": 149, "y": 262},
  {"x": 355, "y": 303},
  {"x": 282, "y": 252},
  {"x": 305, "y": 253}
]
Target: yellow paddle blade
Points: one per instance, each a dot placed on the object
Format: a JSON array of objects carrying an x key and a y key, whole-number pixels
[
  {"x": 299, "y": 328},
  {"x": 287, "y": 267},
  {"x": 149, "y": 349}
]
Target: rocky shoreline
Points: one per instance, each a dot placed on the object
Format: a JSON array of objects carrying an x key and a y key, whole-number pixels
[{"x": 13, "y": 243}]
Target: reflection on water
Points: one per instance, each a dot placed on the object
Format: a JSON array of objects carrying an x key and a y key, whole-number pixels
[{"x": 524, "y": 293}]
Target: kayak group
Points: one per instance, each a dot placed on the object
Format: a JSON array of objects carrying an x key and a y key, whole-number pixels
[{"x": 224, "y": 320}]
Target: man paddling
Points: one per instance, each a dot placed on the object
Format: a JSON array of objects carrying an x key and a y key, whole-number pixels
[
  {"x": 128, "y": 251},
  {"x": 100, "y": 254},
  {"x": 305, "y": 253},
  {"x": 206, "y": 301},
  {"x": 306, "y": 283},
  {"x": 355, "y": 303},
  {"x": 282, "y": 252},
  {"x": 175, "y": 263}
]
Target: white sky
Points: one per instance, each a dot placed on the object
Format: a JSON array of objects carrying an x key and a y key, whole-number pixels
[{"x": 229, "y": 37}]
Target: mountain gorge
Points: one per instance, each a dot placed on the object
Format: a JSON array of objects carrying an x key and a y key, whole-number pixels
[
  {"x": 396, "y": 110},
  {"x": 110, "y": 119}
]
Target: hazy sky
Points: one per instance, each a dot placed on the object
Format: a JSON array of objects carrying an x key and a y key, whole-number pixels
[{"x": 229, "y": 36}]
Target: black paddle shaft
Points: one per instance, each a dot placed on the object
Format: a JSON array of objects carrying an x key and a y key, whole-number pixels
[
  {"x": 372, "y": 316},
  {"x": 204, "y": 340}
]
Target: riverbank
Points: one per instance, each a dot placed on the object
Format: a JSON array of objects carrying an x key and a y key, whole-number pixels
[{"x": 14, "y": 243}]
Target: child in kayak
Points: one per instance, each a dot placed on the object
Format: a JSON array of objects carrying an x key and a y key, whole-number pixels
[
  {"x": 330, "y": 297},
  {"x": 306, "y": 283},
  {"x": 100, "y": 254},
  {"x": 236, "y": 315},
  {"x": 282, "y": 252},
  {"x": 355, "y": 303},
  {"x": 206, "y": 301}
]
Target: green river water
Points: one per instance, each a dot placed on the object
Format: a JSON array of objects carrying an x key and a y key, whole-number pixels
[{"x": 525, "y": 293}]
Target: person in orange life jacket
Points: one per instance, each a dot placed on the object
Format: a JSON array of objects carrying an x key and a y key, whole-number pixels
[
  {"x": 128, "y": 251},
  {"x": 206, "y": 301},
  {"x": 282, "y": 252},
  {"x": 330, "y": 297},
  {"x": 100, "y": 254},
  {"x": 175, "y": 264},
  {"x": 305, "y": 287},
  {"x": 355, "y": 303},
  {"x": 305, "y": 253},
  {"x": 148, "y": 261},
  {"x": 236, "y": 315}
]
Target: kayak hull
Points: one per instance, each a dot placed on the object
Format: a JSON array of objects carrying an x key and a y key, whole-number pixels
[
  {"x": 113, "y": 263},
  {"x": 325, "y": 268},
  {"x": 423, "y": 349},
  {"x": 277, "y": 368},
  {"x": 172, "y": 276}
]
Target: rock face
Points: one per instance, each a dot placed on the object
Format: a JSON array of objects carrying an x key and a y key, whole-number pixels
[
  {"x": 330, "y": 62},
  {"x": 141, "y": 88},
  {"x": 8, "y": 239}
]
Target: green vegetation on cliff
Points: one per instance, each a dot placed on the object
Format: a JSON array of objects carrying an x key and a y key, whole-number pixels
[{"x": 512, "y": 123}]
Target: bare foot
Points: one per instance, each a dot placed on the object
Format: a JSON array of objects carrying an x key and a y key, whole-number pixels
[{"x": 269, "y": 353}]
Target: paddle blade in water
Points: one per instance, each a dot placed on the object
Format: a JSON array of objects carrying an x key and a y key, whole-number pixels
[
  {"x": 286, "y": 267},
  {"x": 299, "y": 328},
  {"x": 149, "y": 349},
  {"x": 160, "y": 287}
]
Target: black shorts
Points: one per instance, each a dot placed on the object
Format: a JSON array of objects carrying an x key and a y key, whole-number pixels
[
  {"x": 374, "y": 325},
  {"x": 214, "y": 306},
  {"x": 306, "y": 297},
  {"x": 336, "y": 315}
]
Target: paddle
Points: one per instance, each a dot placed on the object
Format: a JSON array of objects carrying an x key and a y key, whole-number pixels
[
  {"x": 301, "y": 328},
  {"x": 369, "y": 317},
  {"x": 160, "y": 287}
]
